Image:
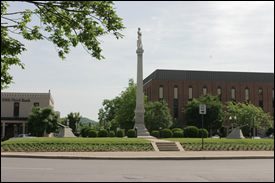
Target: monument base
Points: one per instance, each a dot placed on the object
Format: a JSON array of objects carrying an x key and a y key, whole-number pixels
[
  {"x": 141, "y": 130},
  {"x": 139, "y": 124},
  {"x": 146, "y": 137}
]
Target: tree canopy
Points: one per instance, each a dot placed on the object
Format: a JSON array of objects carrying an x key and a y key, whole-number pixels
[
  {"x": 73, "y": 119},
  {"x": 248, "y": 116},
  {"x": 64, "y": 23},
  {"x": 42, "y": 120},
  {"x": 120, "y": 111},
  {"x": 213, "y": 117},
  {"x": 157, "y": 115}
]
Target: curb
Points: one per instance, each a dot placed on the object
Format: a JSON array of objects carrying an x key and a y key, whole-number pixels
[{"x": 139, "y": 157}]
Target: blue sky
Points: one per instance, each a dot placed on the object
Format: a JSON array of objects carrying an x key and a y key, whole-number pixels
[{"x": 217, "y": 36}]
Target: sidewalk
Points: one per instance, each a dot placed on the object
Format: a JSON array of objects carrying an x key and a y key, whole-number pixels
[{"x": 151, "y": 155}]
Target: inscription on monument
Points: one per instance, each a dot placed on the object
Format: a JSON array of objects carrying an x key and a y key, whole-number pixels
[{"x": 15, "y": 100}]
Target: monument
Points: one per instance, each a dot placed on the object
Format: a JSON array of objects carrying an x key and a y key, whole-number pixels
[{"x": 139, "y": 111}]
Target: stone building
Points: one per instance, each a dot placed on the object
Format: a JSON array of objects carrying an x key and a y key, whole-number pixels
[
  {"x": 177, "y": 87},
  {"x": 15, "y": 109}
]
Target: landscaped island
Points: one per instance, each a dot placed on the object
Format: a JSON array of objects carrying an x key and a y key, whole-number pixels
[{"x": 44, "y": 144}]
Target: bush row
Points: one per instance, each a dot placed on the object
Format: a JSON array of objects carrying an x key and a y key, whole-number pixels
[
  {"x": 88, "y": 132},
  {"x": 74, "y": 147},
  {"x": 190, "y": 132},
  {"x": 227, "y": 147}
]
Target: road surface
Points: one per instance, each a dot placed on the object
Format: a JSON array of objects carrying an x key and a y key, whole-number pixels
[{"x": 65, "y": 170}]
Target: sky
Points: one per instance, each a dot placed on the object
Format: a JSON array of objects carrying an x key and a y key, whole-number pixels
[{"x": 210, "y": 36}]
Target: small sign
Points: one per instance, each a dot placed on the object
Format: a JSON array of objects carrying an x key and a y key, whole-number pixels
[{"x": 202, "y": 109}]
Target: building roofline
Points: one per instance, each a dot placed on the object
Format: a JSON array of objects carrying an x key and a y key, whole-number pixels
[
  {"x": 26, "y": 93},
  {"x": 213, "y": 71},
  {"x": 29, "y": 93},
  {"x": 239, "y": 76}
]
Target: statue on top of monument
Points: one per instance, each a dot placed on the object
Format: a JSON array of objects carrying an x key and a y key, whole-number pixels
[{"x": 139, "y": 43}]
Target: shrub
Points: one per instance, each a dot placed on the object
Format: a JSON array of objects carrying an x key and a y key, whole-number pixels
[
  {"x": 269, "y": 131},
  {"x": 178, "y": 133},
  {"x": 92, "y": 133},
  {"x": 120, "y": 133},
  {"x": 191, "y": 131},
  {"x": 155, "y": 133},
  {"x": 203, "y": 132},
  {"x": 103, "y": 133},
  {"x": 166, "y": 133},
  {"x": 112, "y": 134},
  {"x": 176, "y": 129},
  {"x": 131, "y": 133},
  {"x": 84, "y": 131}
]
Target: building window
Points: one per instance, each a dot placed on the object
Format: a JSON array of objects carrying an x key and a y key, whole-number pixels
[
  {"x": 175, "y": 92},
  {"x": 149, "y": 96},
  {"x": 204, "y": 90},
  {"x": 273, "y": 97},
  {"x": 261, "y": 101},
  {"x": 246, "y": 94},
  {"x": 161, "y": 92},
  {"x": 176, "y": 108},
  {"x": 233, "y": 94},
  {"x": 16, "y": 109},
  {"x": 176, "y": 102},
  {"x": 219, "y": 93},
  {"x": 36, "y": 104},
  {"x": 190, "y": 93}
]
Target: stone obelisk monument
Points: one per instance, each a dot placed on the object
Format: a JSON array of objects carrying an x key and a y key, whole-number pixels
[{"x": 139, "y": 111}]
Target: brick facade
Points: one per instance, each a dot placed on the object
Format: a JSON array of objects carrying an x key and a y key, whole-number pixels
[{"x": 170, "y": 79}]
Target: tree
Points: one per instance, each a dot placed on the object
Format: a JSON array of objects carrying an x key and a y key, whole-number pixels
[
  {"x": 120, "y": 111},
  {"x": 106, "y": 114},
  {"x": 249, "y": 116},
  {"x": 73, "y": 119},
  {"x": 213, "y": 117},
  {"x": 42, "y": 120},
  {"x": 124, "y": 113},
  {"x": 64, "y": 23},
  {"x": 157, "y": 115}
]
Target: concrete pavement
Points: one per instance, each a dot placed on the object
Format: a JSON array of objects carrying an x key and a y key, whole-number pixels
[{"x": 151, "y": 155}]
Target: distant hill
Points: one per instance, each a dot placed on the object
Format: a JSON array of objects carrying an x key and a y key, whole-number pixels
[{"x": 87, "y": 120}]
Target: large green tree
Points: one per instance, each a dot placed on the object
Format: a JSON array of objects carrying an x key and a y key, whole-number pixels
[
  {"x": 106, "y": 114},
  {"x": 157, "y": 115},
  {"x": 73, "y": 119},
  {"x": 213, "y": 117},
  {"x": 64, "y": 23},
  {"x": 126, "y": 106},
  {"x": 42, "y": 120},
  {"x": 120, "y": 111},
  {"x": 248, "y": 116}
]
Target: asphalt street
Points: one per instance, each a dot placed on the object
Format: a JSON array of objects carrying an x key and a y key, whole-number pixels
[{"x": 66, "y": 170}]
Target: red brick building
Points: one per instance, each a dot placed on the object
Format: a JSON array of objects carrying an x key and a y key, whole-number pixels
[{"x": 176, "y": 87}]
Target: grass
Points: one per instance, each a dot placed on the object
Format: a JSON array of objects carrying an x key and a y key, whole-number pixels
[
  {"x": 195, "y": 144},
  {"x": 43, "y": 144}
]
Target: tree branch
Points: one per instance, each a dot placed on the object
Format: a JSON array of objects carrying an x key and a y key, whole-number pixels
[{"x": 19, "y": 12}]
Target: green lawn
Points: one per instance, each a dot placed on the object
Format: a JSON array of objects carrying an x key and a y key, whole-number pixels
[
  {"x": 194, "y": 144},
  {"x": 43, "y": 144}
]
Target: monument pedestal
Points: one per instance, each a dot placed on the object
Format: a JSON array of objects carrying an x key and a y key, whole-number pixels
[{"x": 139, "y": 124}]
